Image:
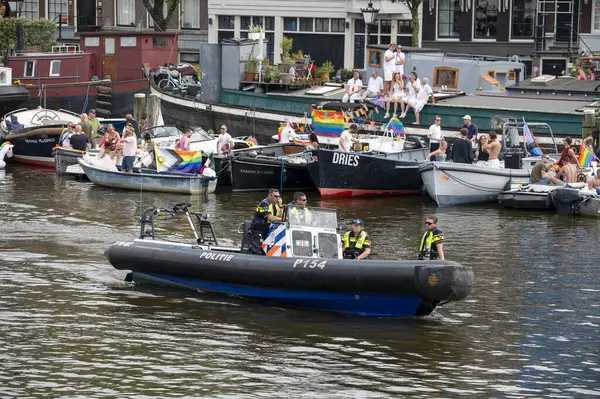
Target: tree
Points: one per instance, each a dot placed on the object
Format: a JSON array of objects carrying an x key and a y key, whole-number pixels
[
  {"x": 413, "y": 7},
  {"x": 156, "y": 10},
  {"x": 38, "y": 34}
]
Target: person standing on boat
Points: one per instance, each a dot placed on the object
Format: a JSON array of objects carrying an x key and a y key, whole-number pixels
[
  {"x": 225, "y": 142},
  {"x": 353, "y": 88},
  {"x": 86, "y": 126},
  {"x": 493, "y": 148},
  {"x": 129, "y": 120},
  {"x": 461, "y": 149},
  {"x": 267, "y": 212},
  {"x": 435, "y": 134},
  {"x": 65, "y": 137},
  {"x": 432, "y": 243},
  {"x": 297, "y": 210},
  {"x": 356, "y": 243},
  {"x": 400, "y": 60},
  {"x": 184, "y": 141},
  {"x": 95, "y": 125},
  {"x": 346, "y": 139},
  {"x": 79, "y": 139},
  {"x": 472, "y": 131},
  {"x": 389, "y": 67},
  {"x": 129, "y": 149},
  {"x": 568, "y": 154},
  {"x": 438, "y": 155},
  {"x": 149, "y": 147}
]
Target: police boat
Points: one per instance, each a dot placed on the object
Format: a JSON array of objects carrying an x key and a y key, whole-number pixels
[{"x": 302, "y": 267}]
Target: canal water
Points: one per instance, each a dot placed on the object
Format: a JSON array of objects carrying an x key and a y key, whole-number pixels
[{"x": 71, "y": 327}]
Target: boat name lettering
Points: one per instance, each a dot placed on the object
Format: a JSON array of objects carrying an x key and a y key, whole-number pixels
[
  {"x": 214, "y": 256},
  {"x": 38, "y": 141},
  {"x": 310, "y": 263},
  {"x": 345, "y": 159},
  {"x": 257, "y": 172}
]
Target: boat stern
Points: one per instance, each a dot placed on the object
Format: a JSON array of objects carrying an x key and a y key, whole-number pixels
[{"x": 443, "y": 282}]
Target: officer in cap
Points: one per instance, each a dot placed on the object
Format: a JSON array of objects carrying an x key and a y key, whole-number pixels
[{"x": 356, "y": 242}]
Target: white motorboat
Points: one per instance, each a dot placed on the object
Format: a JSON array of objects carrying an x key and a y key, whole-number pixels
[{"x": 451, "y": 183}]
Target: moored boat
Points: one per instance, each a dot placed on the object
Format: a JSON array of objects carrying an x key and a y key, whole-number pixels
[
  {"x": 338, "y": 174},
  {"x": 575, "y": 201},
  {"x": 529, "y": 196},
  {"x": 449, "y": 183},
  {"x": 306, "y": 270},
  {"x": 65, "y": 157},
  {"x": 149, "y": 180}
]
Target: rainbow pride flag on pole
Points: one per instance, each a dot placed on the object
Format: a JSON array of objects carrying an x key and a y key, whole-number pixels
[
  {"x": 171, "y": 160},
  {"x": 585, "y": 157},
  {"x": 328, "y": 123},
  {"x": 396, "y": 127}
]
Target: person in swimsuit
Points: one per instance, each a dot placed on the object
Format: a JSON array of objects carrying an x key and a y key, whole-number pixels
[
  {"x": 184, "y": 142},
  {"x": 438, "y": 155}
]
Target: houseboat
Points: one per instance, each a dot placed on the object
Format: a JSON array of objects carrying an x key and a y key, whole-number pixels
[{"x": 103, "y": 71}]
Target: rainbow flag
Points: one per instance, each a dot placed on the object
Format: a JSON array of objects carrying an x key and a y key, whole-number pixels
[
  {"x": 532, "y": 145},
  {"x": 585, "y": 157},
  {"x": 171, "y": 160},
  {"x": 396, "y": 127},
  {"x": 328, "y": 123},
  {"x": 302, "y": 139}
]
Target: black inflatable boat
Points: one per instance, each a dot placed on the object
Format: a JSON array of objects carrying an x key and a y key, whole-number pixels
[{"x": 303, "y": 268}]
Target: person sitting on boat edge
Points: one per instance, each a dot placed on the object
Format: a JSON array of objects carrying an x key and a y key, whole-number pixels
[
  {"x": 184, "y": 141},
  {"x": 313, "y": 141},
  {"x": 568, "y": 154},
  {"x": 432, "y": 243},
  {"x": 267, "y": 212},
  {"x": 438, "y": 155},
  {"x": 353, "y": 88},
  {"x": 297, "y": 210},
  {"x": 540, "y": 173},
  {"x": 356, "y": 243},
  {"x": 346, "y": 139}
]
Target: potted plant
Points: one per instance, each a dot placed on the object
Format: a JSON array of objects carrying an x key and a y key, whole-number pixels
[
  {"x": 325, "y": 70},
  {"x": 286, "y": 60},
  {"x": 255, "y": 32},
  {"x": 251, "y": 67},
  {"x": 267, "y": 69},
  {"x": 275, "y": 77}
]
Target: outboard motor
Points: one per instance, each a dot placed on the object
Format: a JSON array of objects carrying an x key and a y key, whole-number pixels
[{"x": 566, "y": 200}]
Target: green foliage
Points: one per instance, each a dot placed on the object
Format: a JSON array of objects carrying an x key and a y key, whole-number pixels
[
  {"x": 327, "y": 67},
  {"x": 413, "y": 7},
  {"x": 286, "y": 45},
  {"x": 38, "y": 33},
  {"x": 252, "y": 64}
]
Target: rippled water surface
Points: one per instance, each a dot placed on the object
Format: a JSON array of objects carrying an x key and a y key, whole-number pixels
[{"x": 71, "y": 327}]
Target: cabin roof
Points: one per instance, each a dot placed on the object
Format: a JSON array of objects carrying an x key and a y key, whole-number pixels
[
  {"x": 126, "y": 33},
  {"x": 407, "y": 49},
  {"x": 560, "y": 83},
  {"x": 517, "y": 104}
]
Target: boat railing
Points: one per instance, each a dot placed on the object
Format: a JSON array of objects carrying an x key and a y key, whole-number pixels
[
  {"x": 69, "y": 112},
  {"x": 14, "y": 112},
  {"x": 67, "y": 48}
]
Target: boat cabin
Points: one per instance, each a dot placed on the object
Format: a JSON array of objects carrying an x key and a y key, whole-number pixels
[
  {"x": 305, "y": 232},
  {"x": 117, "y": 56}
]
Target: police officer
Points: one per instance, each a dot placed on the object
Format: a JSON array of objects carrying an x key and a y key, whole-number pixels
[
  {"x": 356, "y": 242},
  {"x": 267, "y": 212},
  {"x": 297, "y": 211},
  {"x": 432, "y": 243}
]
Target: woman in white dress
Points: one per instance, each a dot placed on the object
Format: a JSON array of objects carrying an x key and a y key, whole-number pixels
[{"x": 397, "y": 95}]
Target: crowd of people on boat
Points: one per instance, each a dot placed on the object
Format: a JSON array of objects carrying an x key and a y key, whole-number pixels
[
  {"x": 356, "y": 243},
  {"x": 408, "y": 91}
]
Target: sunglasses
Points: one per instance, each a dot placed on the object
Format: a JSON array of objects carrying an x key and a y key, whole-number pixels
[
  {"x": 277, "y": 196},
  {"x": 438, "y": 120},
  {"x": 428, "y": 223},
  {"x": 303, "y": 199}
]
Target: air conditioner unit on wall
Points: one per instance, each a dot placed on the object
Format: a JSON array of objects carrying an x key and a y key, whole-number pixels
[{"x": 5, "y": 76}]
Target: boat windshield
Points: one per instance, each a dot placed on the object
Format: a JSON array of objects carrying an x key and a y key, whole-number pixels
[
  {"x": 312, "y": 217},
  {"x": 166, "y": 131},
  {"x": 200, "y": 135}
]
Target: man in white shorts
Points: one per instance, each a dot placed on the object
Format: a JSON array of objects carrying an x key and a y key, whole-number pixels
[
  {"x": 400, "y": 60},
  {"x": 417, "y": 103},
  {"x": 353, "y": 88},
  {"x": 389, "y": 67},
  {"x": 413, "y": 86}
]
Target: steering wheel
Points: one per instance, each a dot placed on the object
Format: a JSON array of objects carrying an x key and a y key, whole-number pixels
[{"x": 44, "y": 115}]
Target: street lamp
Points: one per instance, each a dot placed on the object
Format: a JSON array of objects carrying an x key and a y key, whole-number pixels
[{"x": 370, "y": 17}]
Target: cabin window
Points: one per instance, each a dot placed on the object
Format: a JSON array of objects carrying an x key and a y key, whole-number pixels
[
  {"x": 55, "y": 68},
  {"x": 128, "y": 41},
  {"x": 126, "y": 12},
  {"x": 191, "y": 14},
  {"x": 92, "y": 42},
  {"x": 29, "y": 69},
  {"x": 302, "y": 243},
  {"x": 492, "y": 74},
  {"x": 109, "y": 45},
  {"x": 159, "y": 41},
  {"x": 448, "y": 18},
  {"x": 445, "y": 76},
  {"x": 328, "y": 245},
  {"x": 375, "y": 58}
]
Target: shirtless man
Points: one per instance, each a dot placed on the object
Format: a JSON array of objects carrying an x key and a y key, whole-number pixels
[{"x": 493, "y": 148}]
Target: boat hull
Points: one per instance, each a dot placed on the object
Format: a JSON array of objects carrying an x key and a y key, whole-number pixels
[
  {"x": 342, "y": 175},
  {"x": 65, "y": 157},
  {"x": 451, "y": 184},
  {"x": 574, "y": 202},
  {"x": 34, "y": 147},
  {"x": 148, "y": 180},
  {"x": 373, "y": 288},
  {"x": 525, "y": 200},
  {"x": 251, "y": 174}
]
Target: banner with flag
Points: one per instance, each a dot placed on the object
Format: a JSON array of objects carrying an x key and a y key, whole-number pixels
[
  {"x": 532, "y": 145},
  {"x": 328, "y": 123},
  {"x": 378, "y": 101},
  {"x": 585, "y": 157},
  {"x": 171, "y": 160},
  {"x": 396, "y": 127}
]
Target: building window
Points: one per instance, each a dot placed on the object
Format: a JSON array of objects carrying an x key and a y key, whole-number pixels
[
  {"x": 226, "y": 22},
  {"x": 306, "y": 24},
  {"x": 290, "y": 24},
  {"x": 29, "y": 9},
  {"x": 126, "y": 12},
  {"x": 164, "y": 13},
  {"x": 29, "y": 71},
  {"x": 58, "y": 8},
  {"x": 359, "y": 43},
  {"x": 192, "y": 58},
  {"x": 596, "y": 14},
  {"x": 54, "y": 68},
  {"x": 448, "y": 18},
  {"x": 322, "y": 25},
  {"x": 91, "y": 41},
  {"x": 268, "y": 24},
  {"x": 485, "y": 18},
  {"x": 190, "y": 10},
  {"x": 338, "y": 24},
  {"x": 523, "y": 18},
  {"x": 405, "y": 27}
]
